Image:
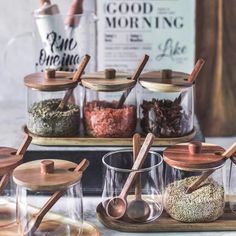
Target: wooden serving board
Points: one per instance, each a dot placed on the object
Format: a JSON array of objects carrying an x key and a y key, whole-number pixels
[
  {"x": 102, "y": 142},
  {"x": 166, "y": 224}
]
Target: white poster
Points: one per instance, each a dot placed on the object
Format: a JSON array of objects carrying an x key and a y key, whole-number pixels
[{"x": 163, "y": 29}]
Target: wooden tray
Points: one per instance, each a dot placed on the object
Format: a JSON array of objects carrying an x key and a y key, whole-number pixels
[
  {"x": 166, "y": 224},
  {"x": 88, "y": 230},
  {"x": 102, "y": 142}
]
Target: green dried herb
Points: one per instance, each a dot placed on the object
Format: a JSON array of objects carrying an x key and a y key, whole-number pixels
[{"x": 44, "y": 120}]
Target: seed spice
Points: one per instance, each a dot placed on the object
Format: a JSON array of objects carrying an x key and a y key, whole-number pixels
[
  {"x": 44, "y": 120},
  {"x": 205, "y": 204},
  {"x": 165, "y": 118}
]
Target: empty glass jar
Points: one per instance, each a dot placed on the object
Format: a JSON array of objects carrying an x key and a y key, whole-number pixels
[
  {"x": 49, "y": 198},
  {"x": 166, "y": 104},
  {"x": 44, "y": 94},
  {"x": 148, "y": 196},
  {"x": 104, "y": 115},
  {"x": 185, "y": 163}
]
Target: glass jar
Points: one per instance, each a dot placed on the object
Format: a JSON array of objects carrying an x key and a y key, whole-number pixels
[
  {"x": 184, "y": 164},
  {"x": 117, "y": 167},
  {"x": 49, "y": 201},
  {"x": 103, "y": 114},
  {"x": 44, "y": 94},
  {"x": 8, "y": 161},
  {"x": 231, "y": 184},
  {"x": 166, "y": 104}
]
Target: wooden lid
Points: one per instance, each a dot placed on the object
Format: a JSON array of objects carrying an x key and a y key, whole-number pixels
[
  {"x": 50, "y": 80},
  {"x": 8, "y": 159},
  {"x": 46, "y": 175},
  {"x": 194, "y": 156},
  {"x": 164, "y": 80},
  {"x": 108, "y": 80}
]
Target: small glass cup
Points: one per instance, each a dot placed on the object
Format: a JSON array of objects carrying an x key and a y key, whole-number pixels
[{"x": 118, "y": 166}]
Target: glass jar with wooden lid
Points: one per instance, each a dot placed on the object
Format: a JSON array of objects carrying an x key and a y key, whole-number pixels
[
  {"x": 49, "y": 197},
  {"x": 52, "y": 97},
  {"x": 167, "y": 102},
  {"x": 109, "y": 109},
  {"x": 10, "y": 158},
  {"x": 194, "y": 190}
]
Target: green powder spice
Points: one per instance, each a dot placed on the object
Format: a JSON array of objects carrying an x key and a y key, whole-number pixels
[
  {"x": 44, "y": 120},
  {"x": 202, "y": 205}
]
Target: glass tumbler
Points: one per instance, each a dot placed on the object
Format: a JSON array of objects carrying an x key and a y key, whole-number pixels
[{"x": 117, "y": 167}]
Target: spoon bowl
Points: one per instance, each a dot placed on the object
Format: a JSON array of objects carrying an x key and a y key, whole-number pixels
[{"x": 116, "y": 207}]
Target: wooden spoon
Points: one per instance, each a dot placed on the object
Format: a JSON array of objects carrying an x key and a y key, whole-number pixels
[
  {"x": 116, "y": 207},
  {"x": 227, "y": 154},
  {"x": 21, "y": 151},
  {"x": 134, "y": 77},
  {"x": 138, "y": 210},
  {"x": 35, "y": 222},
  {"x": 76, "y": 78}
]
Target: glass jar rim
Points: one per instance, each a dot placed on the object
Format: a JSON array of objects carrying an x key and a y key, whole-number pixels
[{"x": 130, "y": 170}]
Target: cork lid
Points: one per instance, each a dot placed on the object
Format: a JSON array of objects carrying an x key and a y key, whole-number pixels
[
  {"x": 8, "y": 159},
  {"x": 50, "y": 80},
  {"x": 194, "y": 156},
  {"x": 165, "y": 81},
  {"x": 46, "y": 175},
  {"x": 108, "y": 80}
]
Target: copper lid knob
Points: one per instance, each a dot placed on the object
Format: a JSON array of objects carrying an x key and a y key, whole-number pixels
[
  {"x": 195, "y": 147},
  {"x": 110, "y": 73},
  {"x": 47, "y": 167},
  {"x": 50, "y": 73}
]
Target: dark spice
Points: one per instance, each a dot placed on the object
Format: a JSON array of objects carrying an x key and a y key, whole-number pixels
[{"x": 165, "y": 118}]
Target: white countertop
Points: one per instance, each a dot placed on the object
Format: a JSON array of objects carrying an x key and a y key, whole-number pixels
[{"x": 12, "y": 117}]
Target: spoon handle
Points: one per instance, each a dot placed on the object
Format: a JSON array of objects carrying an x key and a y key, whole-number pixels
[
  {"x": 197, "y": 68},
  {"x": 138, "y": 163},
  {"x": 75, "y": 78},
  {"x": 227, "y": 154},
  {"x": 37, "y": 219},
  {"x": 136, "y": 149}
]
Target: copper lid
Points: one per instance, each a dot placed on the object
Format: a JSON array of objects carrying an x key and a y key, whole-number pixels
[
  {"x": 46, "y": 175},
  {"x": 108, "y": 80},
  {"x": 8, "y": 159},
  {"x": 164, "y": 80},
  {"x": 194, "y": 156},
  {"x": 50, "y": 80}
]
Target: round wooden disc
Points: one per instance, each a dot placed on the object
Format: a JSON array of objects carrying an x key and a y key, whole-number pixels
[
  {"x": 179, "y": 157},
  {"x": 154, "y": 81},
  {"x": 62, "y": 81},
  {"x": 29, "y": 175},
  {"x": 97, "y": 81},
  {"x": 8, "y": 159}
]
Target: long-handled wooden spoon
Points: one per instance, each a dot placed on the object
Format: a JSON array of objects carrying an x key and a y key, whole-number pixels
[
  {"x": 135, "y": 76},
  {"x": 35, "y": 222},
  {"x": 138, "y": 210},
  {"x": 76, "y": 78},
  {"x": 227, "y": 154},
  {"x": 21, "y": 151},
  {"x": 116, "y": 207}
]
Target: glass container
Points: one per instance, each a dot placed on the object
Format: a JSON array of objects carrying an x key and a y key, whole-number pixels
[
  {"x": 36, "y": 189},
  {"x": 231, "y": 184},
  {"x": 184, "y": 164},
  {"x": 44, "y": 94},
  {"x": 166, "y": 104},
  {"x": 8, "y": 161},
  {"x": 103, "y": 114},
  {"x": 117, "y": 167}
]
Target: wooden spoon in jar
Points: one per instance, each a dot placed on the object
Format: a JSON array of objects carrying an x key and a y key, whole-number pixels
[
  {"x": 35, "y": 222},
  {"x": 134, "y": 77},
  {"x": 76, "y": 77},
  {"x": 21, "y": 151},
  {"x": 227, "y": 154},
  {"x": 138, "y": 210},
  {"x": 116, "y": 206}
]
